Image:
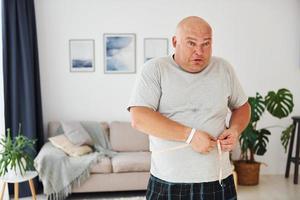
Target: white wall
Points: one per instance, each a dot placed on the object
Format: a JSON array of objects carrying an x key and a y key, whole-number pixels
[{"x": 260, "y": 38}]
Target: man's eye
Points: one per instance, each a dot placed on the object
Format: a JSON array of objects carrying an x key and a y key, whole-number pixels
[
  {"x": 206, "y": 44},
  {"x": 191, "y": 43}
]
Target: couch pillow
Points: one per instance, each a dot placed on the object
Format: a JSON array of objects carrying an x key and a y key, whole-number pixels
[
  {"x": 63, "y": 143},
  {"x": 102, "y": 167},
  {"x": 125, "y": 138},
  {"x": 131, "y": 162},
  {"x": 54, "y": 128},
  {"x": 76, "y": 133}
]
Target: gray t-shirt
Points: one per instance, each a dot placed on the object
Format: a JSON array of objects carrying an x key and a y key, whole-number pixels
[{"x": 199, "y": 100}]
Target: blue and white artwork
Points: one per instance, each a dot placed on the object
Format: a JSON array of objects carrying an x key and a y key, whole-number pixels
[
  {"x": 82, "y": 55},
  {"x": 119, "y": 55},
  {"x": 155, "y": 47}
]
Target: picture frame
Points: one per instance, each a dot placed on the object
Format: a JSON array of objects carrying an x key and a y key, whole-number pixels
[
  {"x": 155, "y": 47},
  {"x": 119, "y": 53},
  {"x": 82, "y": 55}
]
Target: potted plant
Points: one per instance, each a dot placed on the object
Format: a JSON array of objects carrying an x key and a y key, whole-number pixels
[
  {"x": 254, "y": 140},
  {"x": 15, "y": 157}
]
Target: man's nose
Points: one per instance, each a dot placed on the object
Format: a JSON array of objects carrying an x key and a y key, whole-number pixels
[{"x": 199, "y": 49}]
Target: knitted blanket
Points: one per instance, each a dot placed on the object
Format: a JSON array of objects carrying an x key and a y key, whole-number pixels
[{"x": 60, "y": 172}]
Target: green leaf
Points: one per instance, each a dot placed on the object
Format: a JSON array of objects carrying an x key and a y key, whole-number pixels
[
  {"x": 279, "y": 104},
  {"x": 257, "y": 107},
  {"x": 14, "y": 152},
  {"x": 248, "y": 138},
  {"x": 286, "y": 135},
  {"x": 260, "y": 146}
]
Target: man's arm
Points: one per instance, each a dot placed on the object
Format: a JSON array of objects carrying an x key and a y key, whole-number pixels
[
  {"x": 238, "y": 122},
  {"x": 153, "y": 123},
  {"x": 240, "y": 118}
]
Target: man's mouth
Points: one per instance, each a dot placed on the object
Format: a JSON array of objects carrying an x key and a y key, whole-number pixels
[{"x": 198, "y": 60}]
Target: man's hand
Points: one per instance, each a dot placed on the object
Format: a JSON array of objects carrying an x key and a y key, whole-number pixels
[
  {"x": 228, "y": 139},
  {"x": 202, "y": 142}
]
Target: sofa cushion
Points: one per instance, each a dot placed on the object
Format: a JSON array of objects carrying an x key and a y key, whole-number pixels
[
  {"x": 76, "y": 133},
  {"x": 63, "y": 143},
  {"x": 131, "y": 162},
  {"x": 125, "y": 138},
  {"x": 55, "y": 128},
  {"x": 103, "y": 166}
]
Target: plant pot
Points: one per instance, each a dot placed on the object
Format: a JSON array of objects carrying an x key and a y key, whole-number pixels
[{"x": 248, "y": 172}]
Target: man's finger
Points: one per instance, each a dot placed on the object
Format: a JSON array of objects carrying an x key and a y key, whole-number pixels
[
  {"x": 226, "y": 147},
  {"x": 226, "y": 142},
  {"x": 209, "y": 149},
  {"x": 212, "y": 138},
  {"x": 224, "y": 135},
  {"x": 205, "y": 152},
  {"x": 212, "y": 143}
]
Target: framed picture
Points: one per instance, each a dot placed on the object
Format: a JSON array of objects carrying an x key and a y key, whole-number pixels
[
  {"x": 119, "y": 53},
  {"x": 82, "y": 55},
  {"x": 155, "y": 47}
]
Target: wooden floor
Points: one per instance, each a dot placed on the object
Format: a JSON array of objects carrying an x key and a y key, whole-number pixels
[{"x": 271, "y": 187}]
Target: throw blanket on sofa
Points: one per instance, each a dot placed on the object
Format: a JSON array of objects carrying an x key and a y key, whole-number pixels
[{"x": 59, "y": 172}]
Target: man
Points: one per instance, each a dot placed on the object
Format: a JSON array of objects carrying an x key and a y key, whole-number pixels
[{"x": 185, "y": 98}]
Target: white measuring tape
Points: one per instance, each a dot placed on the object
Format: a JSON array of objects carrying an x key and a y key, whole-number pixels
[
  {"x": 220, "y": 161},
  {"x": 186, "y": 145}
]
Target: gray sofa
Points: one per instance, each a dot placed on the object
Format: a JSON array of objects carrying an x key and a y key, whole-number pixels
[{"x": 128, "y": 170}]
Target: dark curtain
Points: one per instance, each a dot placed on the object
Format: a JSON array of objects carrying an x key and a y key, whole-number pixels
[{"x": 22, "y": 93}]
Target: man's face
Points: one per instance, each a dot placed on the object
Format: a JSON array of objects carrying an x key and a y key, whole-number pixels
[{"x": 193, "y": 49}]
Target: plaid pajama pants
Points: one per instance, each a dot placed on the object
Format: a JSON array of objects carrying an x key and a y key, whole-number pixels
[{"x": 162, "y": 190}]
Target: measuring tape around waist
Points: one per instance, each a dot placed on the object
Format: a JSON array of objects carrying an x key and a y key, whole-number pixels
[{"x": 186, "y": 145}]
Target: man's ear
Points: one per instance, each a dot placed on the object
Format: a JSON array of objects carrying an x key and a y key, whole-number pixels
[{"x": 174, "y": 41}]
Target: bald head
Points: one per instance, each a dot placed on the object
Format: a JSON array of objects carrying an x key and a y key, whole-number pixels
[
  {"x": 192, "y": 43},
  {"x": 192, "y": 24}
]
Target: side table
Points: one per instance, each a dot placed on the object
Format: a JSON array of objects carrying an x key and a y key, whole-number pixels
[{"x": 16, "y": 179}]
